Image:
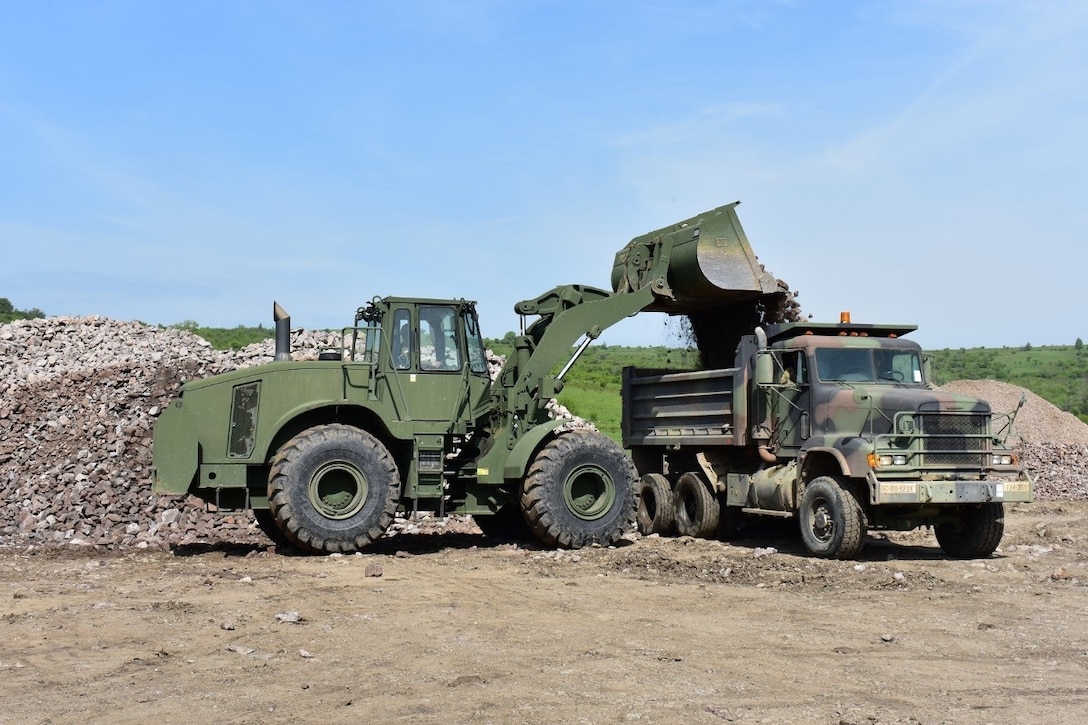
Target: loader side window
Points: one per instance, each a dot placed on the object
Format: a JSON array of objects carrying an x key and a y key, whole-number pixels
[
  {"x": 243, "y": 420},
  {"x": 402, "y": 339},
  {"x": 477, "y": 358},
  {"x": 438, "y": 348}
]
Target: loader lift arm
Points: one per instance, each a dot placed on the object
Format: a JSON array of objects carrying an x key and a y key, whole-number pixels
[{"x": 567, "y": 313}]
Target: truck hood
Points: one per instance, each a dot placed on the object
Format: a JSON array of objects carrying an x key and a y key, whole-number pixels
[{"x": 850, "y": 406}]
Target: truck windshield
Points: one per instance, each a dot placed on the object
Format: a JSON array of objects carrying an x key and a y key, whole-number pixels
[{"x": 868, "y": 365}]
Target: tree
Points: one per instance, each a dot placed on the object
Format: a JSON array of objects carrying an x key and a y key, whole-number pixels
[
  {"x": 1079, "y": 344},
  {"x": 9, "y": 313}
]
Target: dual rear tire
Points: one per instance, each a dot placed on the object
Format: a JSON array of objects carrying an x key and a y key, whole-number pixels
[{"x": 689, "y": 509}]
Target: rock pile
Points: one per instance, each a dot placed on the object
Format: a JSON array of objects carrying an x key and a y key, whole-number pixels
[
  {"x": 78, "y": 401},
  {"x": 1053, "y": 444}
]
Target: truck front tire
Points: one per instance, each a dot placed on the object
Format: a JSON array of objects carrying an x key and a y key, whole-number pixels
[
  {"x": 580, "y": 490},
  {"x": 333, "y": 488},
  {"x": 832, "y": 521},
  {"x": 977, "y": 534}
]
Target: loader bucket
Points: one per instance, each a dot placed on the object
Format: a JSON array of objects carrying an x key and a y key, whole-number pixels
[{"x": 696, "y": 263}]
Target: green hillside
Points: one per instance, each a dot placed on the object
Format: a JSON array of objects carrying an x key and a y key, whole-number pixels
[{"x": 1058, "y": 373}]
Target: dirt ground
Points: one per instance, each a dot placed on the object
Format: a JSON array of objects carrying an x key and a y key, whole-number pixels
[{"x": 454, "y": 628}]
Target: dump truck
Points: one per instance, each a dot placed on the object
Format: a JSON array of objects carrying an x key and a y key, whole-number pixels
[
  {"x": 403, "y": 417},
  {"x": 834, "y": 425}
]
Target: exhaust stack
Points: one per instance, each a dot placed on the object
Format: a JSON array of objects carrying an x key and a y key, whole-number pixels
[{"x": 283, "y": 332}]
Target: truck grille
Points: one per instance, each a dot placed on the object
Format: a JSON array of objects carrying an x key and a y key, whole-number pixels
[{"x": 950, "y": 439}]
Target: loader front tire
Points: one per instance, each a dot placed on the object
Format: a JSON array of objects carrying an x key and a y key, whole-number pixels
[
  {"x": 580, "y": 490},
  {"x": 333, "y": 488}
]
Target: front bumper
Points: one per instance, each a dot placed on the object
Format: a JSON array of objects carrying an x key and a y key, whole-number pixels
[{"x": 1012, "y": 489}]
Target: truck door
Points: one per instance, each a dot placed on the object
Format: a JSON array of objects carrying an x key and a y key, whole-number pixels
[{"x": 791, "y": 422}]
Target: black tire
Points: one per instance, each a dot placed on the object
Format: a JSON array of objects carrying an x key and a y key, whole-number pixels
[
  {"x": 333, "y": 488},
  {"x": 977, "y": 534},
  {"x": 580, "y": 490},
  {"x": 506, "y": 524},
  {"x": 832, "y": 519},
  {"x": 656, "y": 514},
  {"x": 696, "y": 507},
  {"x": 267, "y": 523}
]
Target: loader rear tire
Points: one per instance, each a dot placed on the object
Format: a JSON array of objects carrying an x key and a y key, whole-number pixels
[
  {"x": 656, "y": 514},
  {"x": 580, "y": 490},
  {"x": 977, "y": 534},
  {"x": 696, "y": 508},
  {"x": 333, "y": 488},
  {"x": 267, "y": 523}
]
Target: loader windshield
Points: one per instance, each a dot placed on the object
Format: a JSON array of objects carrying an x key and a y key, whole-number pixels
[
  {"x": 438, "y": 348},
  {"x": 868, "y": 365}
]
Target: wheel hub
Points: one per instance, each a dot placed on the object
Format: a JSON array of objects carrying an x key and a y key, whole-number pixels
[
  {"x": 338, "y": 490},
  {"x": 822, "y": 525},
  {"x": 589, "y": 492}
]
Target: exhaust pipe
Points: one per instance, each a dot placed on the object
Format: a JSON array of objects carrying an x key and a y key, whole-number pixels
[
  {"x": 764, "y": 376},
  {"x": 283, "y": 332}
]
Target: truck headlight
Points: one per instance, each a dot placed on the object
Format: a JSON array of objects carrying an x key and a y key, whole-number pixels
[
  {"x": 897, "y": 459},
  {"x": 1002, "y": 459}
]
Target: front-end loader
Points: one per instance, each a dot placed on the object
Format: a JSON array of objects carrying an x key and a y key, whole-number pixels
[{"x": 404, "y": 416}]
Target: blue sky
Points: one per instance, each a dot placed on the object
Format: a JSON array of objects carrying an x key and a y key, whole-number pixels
[{"x": 912, "y": 162}]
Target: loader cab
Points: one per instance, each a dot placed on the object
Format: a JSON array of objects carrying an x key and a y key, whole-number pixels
[{"x": 435, "y": 364}]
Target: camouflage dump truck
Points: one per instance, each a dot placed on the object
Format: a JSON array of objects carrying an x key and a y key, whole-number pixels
[
  {"x": 833, "y": 425},
  {"x": 404, "y": 416}
]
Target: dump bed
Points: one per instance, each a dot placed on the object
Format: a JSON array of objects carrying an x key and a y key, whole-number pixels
[{"x": 680, "y": 408}]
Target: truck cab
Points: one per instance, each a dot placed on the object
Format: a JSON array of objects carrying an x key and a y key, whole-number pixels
[{"x": 857, "y": 398}]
